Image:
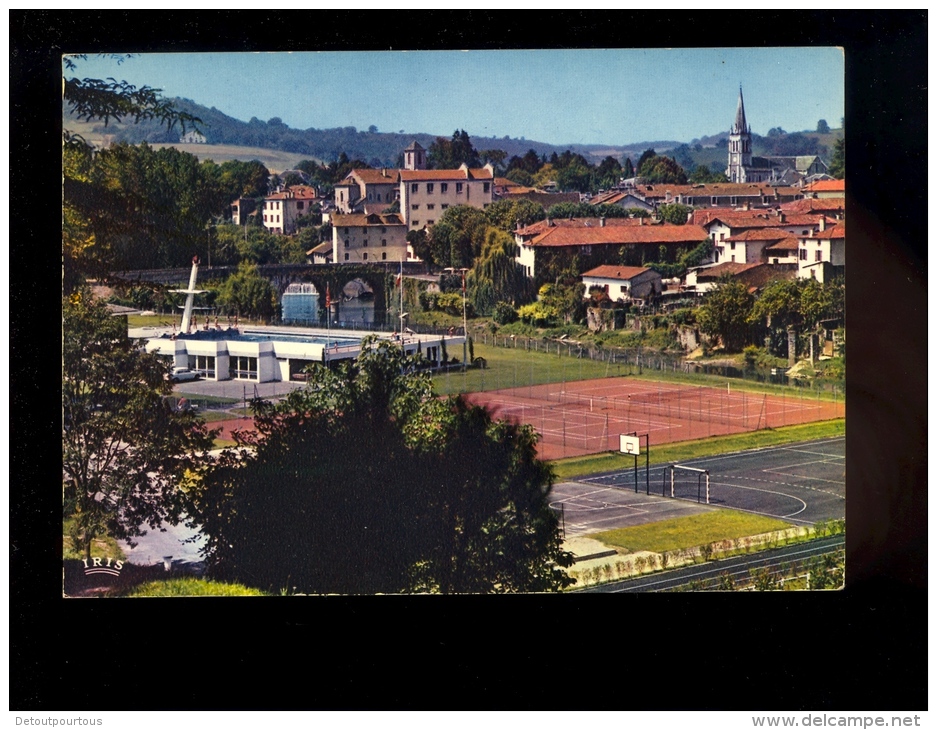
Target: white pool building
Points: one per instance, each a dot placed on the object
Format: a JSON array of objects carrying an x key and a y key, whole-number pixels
[{"x": 267, "y": 354}]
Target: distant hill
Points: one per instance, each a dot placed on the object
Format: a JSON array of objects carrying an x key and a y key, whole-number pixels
[{"x": 280, "y": 147}]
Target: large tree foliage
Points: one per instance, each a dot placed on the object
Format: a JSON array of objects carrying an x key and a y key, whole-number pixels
[
  {"x": 92, "y": 212},
  {"x": 365, "y": 482},
  {"x": 125, "y": 449},
  {"x": 449, "y": 154},
  {"x": 660, "y": 169},
  {"x": 725, "y": 314},
  {"x": 248, "y": 294},
  {"x": 148, "y": 208},
  {"x": 457, "y": 237},
  {"x": 507, "y": 214},
  {"x": 674, "y": 213},
  {"x": 838, "y": 160},
  {"x": 496, "y": 276}
]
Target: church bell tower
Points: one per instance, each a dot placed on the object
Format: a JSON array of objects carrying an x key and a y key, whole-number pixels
[{"x": 740, "y": 145}]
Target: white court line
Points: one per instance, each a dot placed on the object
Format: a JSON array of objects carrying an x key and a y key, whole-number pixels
[
  {"x": 767, "y": 491},
  {"x": 817, "y": 453}
]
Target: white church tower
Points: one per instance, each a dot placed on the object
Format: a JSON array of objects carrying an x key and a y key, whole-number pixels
[{"x": 740, "y": 146}]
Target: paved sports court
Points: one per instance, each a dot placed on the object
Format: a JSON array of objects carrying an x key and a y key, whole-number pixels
[{"x": 800, "y": 483}]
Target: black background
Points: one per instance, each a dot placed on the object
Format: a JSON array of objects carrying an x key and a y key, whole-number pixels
[{"x": 861, "y": 648}]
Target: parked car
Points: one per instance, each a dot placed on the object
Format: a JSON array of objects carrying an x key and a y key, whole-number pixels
[{"x": 179, "y": 375}]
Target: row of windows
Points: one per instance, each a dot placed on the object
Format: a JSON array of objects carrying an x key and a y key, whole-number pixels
[
  {"x": 364, "y": 229},
  {"x": 429, "y": 206},
  {"x": 444, "y": 188},
  {"x": 242, "y": 368},
  {"x": 364, "y": 257},
  {"x": 817, "y": 255},
  {"x": 364, "y": 243},
  {"x": 271, "y": 219}
]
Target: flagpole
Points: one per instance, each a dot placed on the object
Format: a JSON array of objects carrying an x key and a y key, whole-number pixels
[{"x": 464, "y": 327}]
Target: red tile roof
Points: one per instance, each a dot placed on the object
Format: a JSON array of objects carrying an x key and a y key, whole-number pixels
[
  {"x": 374, "y": 177},
  {"x": 296, "y": 192},
  {"x": 728, "y": 267},
  {"x": 762, "y": 234},
  {"x": 764, "y": 219},
  {"x": 545, "y": 225},
  {"x": 646, "y": 234},
  {"x": 785, "y": 244},
  {"x": 837, "y": 231},
  {"x": 827, "y": 186},
  {"x": 815, "y": 205},
  {"x": 371, "y": 219},
  {"x": 624, "y": 273},
  {"x": 702, "y": 216},
  {"x": 457, "y": 174}
]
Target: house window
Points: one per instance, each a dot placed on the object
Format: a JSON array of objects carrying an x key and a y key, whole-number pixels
[
  {"x": 415, "y": 206},
  {"x": 383, "y": 230},
  {"x": 346, "y": 257},
  {"x": 431, "y": 206},
  {"x": 245, "y": 368},
  {"x": 364, "y": 257},
  {"x": 383, "y": 255},
  {"x": 364, "y": 230},
  {"x": 364, "y": 243},
  {"x": 817, "y": 257},
  {"x": 429, "y": 188},
  {"x": 803, "y": 254},
  {"x": 415, "y": 188},
  {"x": 443, "y": 187},
  {"x": 265, "y": 217},
  {"x": 205, "y": 364},
  {"x": 346, "y": 230},
  {"x": 733, "y": 200},
  {"x": 378, "y": 197},
  {"x": 733, "y": 246},
  {"x": 444, "y": 206},
  {"x": 383, "y": 241},
  {"x": 813, "y": 273},
  {"x": 722, "y": 236},
  {"x": 346, "y": 243},
  {"x": 429, "y": 223},
  {"x": 370, "y": 197},
  {"x": 486, "y": 188},
  {"x": 458, "y": 188},
  {"x": 805, "y": 233},
  {"x": 415, "y": 223},
  {"x": 623, "y": 288},
  {"x": 299, "y": 205},
  {"x": 714, "y": 200}
]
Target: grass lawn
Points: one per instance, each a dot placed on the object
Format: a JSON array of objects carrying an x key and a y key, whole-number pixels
[
  {"x": 190, "y": 587},
  {"x": 103, "y": 547},
  {"x": 214, "y": 416},
  {"x": 685, "y": 450},
  {"x": 516, "y": 367},
  {"x": 509, "y": 368},
  {"x": 688, "y": 532}
]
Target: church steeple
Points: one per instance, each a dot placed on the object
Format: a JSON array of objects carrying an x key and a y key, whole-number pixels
[
  {"x": 740, "y": 146},
  {"x": 740, "y": 127}
]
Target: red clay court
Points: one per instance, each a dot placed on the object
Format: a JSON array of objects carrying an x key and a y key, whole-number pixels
[{"x": 587, "y": 416}]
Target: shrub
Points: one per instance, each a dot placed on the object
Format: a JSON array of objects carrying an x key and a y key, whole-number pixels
[
  {"x": 504, "y": 313},
  {"x": 538, "y": 314}
]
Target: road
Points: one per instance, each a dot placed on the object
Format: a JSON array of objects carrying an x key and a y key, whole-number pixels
[{"x": 738, "y": 567}]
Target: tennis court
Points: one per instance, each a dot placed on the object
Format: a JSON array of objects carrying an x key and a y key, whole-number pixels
[{"x": 586, "y": 417}]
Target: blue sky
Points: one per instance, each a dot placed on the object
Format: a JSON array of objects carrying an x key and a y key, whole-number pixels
[{"x": 557, "y": 96}]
